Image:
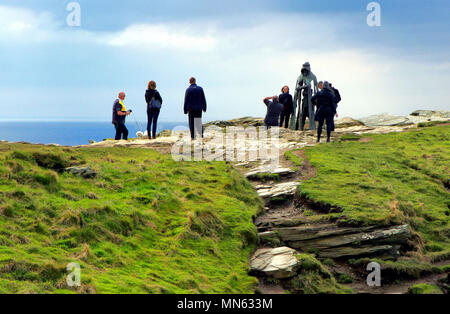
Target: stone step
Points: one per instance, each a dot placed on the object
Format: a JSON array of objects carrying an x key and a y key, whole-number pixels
[
  {"x": 363, "y": 251},
  {"x": 279, "y": 263},
  {"x": 365, "y": 242},
  {"x": 316, "y": 231},
  {"x": 330, "y": 240},
  {"x": 286, "y": 189},
  {"x": 267, "y": 222},
  {"x": 257, "y": 173}
]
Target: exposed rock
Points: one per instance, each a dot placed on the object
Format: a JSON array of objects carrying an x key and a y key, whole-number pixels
[
  {"x": 280, "y": 263},
  {"x": 316, "y": 231},
  {"x": 256, "y": 173},
  {"x": 369, "y": 250},
  {"x": 269, "y": 237},
  {"x": 347, "y": 122},
  {"x": 267, "y": 222},
  {"x": 85, "y": 172},
  {"x": 278, "y": 190},
  {"x": 423, "y": 113},
  {"x": 245, "y": 122},
  {"x": 386, "y": 120},
  {"x": 421, "y": 116},
  {"x": 336, "y": 242}
]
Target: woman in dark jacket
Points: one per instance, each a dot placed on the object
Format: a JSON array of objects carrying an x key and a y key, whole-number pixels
[
  {"x": 288, "y": 106},
  {"x": 154, "y": 102}
]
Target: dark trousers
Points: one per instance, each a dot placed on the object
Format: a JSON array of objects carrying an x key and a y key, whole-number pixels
[
  {"x": 328, "y": 116},
  {"x": 192, "y": 116},
  {"x": 284, "y": 119},
  {"x": 152, "y": 119},
  {"x": 121, "y": 130},
  {"x": 306, "y": 114}
]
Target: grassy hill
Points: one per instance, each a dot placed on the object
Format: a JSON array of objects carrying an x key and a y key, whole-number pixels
[
  {"x": 387, "y": 180},
  {"x": 144, "y": 224}
]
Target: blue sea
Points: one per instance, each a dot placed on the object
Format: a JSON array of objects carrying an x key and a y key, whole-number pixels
[{"x": 70, "y": 133}]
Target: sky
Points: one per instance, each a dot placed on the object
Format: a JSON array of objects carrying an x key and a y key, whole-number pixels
[{"x": 240, "y": 51}]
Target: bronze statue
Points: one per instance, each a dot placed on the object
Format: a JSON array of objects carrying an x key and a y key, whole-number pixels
[{"x": 305, "y": 107}]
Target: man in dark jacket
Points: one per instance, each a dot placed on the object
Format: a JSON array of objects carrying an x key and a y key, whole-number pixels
[
  {"x": 194, "y": 106},
  {"x": 118, "y": 117},
  {"x": 326, "y": 109},
  {"x": 274, "y": 109}
]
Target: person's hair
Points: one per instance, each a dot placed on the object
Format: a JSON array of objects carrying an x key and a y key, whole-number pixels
[
  {"x": 282, "y": 89},
  {"x": 152, "y": 85},
  {"x": 192, "y": 80}
]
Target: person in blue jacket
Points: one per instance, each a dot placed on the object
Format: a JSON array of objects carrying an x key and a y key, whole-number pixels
[
  {"x": 326, "y": 109},
  {"x": 194, "y": 107}
]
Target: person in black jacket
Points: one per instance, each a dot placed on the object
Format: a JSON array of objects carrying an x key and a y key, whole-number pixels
[
  {"x": 288, "y": 106},
  {"x": 326, "y": 109},
  {"x": 154, "y": 102},
  {"x": 194, "y": 106}
]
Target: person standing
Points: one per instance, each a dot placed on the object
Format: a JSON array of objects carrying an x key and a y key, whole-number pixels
[
  {"x": 338, "y": 99},
  {"x": 118, "y": 117},
  {"x": 274, "y": 109},
  {"x": 194, "y": 106},
  {"x": 320, "y": 86},
  {"x": 154, "y": 103},
  {"x": 325, "y": 102},
  {"x": 288, "y": 106}
]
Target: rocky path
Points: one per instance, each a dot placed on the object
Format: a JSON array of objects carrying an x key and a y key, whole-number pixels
[{"x": 285, "y": 230}]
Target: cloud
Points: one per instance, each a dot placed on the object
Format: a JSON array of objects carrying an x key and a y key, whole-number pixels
[
  {"x": 160, "y": 36},
  {"x": 238, "y": 59},
  {"x": 26, "y": 26}
]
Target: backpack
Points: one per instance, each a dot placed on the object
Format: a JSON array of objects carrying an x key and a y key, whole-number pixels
[
  {"x": 154, "y": 103},
  {"x": 337, "y": 95}
]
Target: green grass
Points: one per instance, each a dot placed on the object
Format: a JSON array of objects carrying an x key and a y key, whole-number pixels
[
  {"x": 314, "y": 278},
  {"x": 424, "y": 289},
  {"x": 405, "y": 268},
  {"x": 431, "y": 123},
  {"x": 392, "y": 179},
  {"x": 145, "y": 224}
]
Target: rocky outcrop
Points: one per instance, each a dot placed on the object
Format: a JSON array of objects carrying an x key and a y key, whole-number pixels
[
  {"x": 257, "y": 173},
  {"x": 281, "y": 190},
  {"x": 419, "y": 116},
  {"x": 279, "y": 263},
  {"x": 347, "y": 122},
  {"x": 245, "y": 122},
  {"x": 85, "y": 172},
  {"x": 332, "y": 241},
  {"x": 386, "y": 120},
  {"x": 432, "y": 114}
]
